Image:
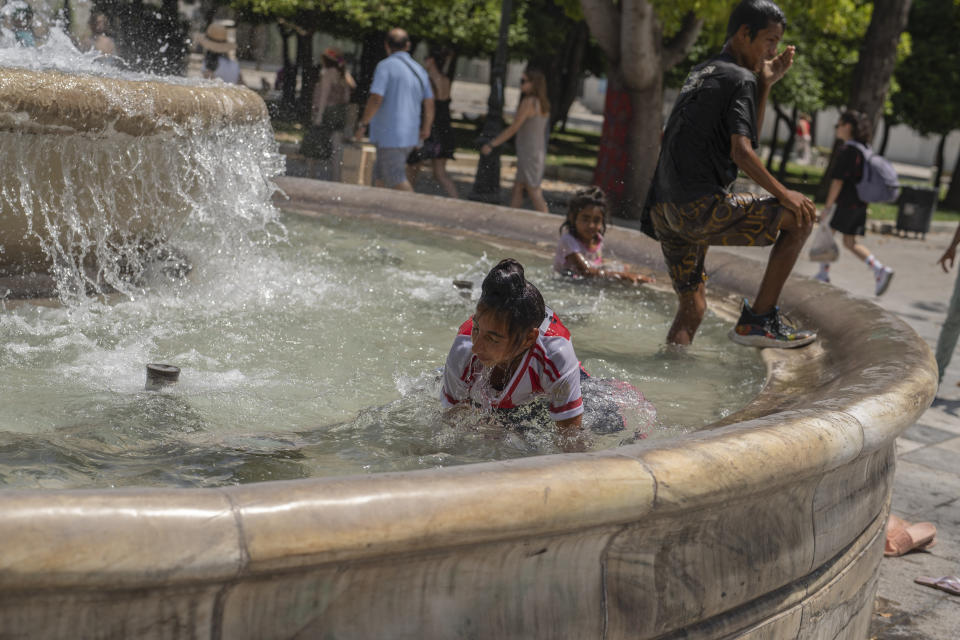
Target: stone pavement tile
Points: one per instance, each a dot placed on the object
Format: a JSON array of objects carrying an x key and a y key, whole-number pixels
[
  {"x": 952, "y": 445},
  {"x": 927, "y": 434},
  {"x": 924, "y": 494},
  {"x": 934, "y": 457},
  {"x": 906, "y": 446},
  {"x": 923, "y": 619}
]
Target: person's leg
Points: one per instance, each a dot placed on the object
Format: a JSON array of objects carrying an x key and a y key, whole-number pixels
[
  {"x": 947, "y": 341},
  {"x": 440, "y": 173},
  {"x": 393, "y": 163},
  {"x": 516, "y": 196},
  {"x": 783, "y": 257},
  {"x": 690, "y": 310},
  {"x": 412, "y": 171},
  {"x": 881, "y": 274},
  {"x": 536, "y": 198}
]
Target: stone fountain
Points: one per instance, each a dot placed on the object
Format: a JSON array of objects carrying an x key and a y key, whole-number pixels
[{"x": 767, "y": 525}]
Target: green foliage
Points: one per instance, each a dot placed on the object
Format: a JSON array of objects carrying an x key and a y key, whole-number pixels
[
  {"x": 470, "y": 25},
  {"x": 929, "y": 78},
  {"x": 826, "y": 33}
]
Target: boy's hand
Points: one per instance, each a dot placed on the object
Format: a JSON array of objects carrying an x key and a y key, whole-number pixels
[
  {"x": 777, "y": 67},
  {"x": 946, "y": 260}
]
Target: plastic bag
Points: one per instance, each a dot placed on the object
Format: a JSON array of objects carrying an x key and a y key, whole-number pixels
[{"x": 823, "y": 248}]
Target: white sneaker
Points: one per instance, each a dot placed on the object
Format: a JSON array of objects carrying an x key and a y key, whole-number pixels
[{"x": 884, "y": 276}]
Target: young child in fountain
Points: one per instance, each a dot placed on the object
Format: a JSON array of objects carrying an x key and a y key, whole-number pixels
[
  {"x": 580, "y": 250},
  {"x": 514, "y": 352}
]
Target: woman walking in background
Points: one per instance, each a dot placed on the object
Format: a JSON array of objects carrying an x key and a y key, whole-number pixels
[
  {"x": 331, "y": 98},
  {"x": 530, "y": 126},
  {"x": 439, "y": 147}
]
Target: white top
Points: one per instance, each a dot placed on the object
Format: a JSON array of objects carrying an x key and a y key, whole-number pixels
[
  {"x": 549, "y": 368},
  {"x": 569, "y": 244}
]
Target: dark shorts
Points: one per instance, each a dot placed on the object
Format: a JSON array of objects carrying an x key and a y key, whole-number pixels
[
  {"x": 686, "y": 230},
  {"x": 850, "y": 222}
]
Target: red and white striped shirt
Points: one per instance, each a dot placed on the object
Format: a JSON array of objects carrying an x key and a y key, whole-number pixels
[{"x": 549, "y": 368}]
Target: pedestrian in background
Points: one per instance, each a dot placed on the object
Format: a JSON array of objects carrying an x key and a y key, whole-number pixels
[
  {"x": 439, "y": 147},
  {"x": 331, "y": 99},
  {"x": 850, "y": 215},
  {"x": 399, "y": 111},
  {"x": 530, "y": 125}
]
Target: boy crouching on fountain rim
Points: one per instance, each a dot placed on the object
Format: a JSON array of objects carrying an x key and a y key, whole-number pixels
[{"x": 711, "y": 132}]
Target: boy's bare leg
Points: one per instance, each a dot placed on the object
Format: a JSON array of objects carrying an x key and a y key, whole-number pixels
[
  {"x": 783, "y": 257},
  {"x": 692, "y": 306}
]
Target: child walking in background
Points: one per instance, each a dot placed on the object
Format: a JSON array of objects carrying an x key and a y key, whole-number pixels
[
  {"x": 850, "y": 215},
  {"x": 580, "y": 250}
]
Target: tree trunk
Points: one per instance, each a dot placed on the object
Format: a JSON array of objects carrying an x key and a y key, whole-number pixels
[
  {"x": 371, "y": 53},
  {"x": 571, "y": 73},
  {"x": 789, "y": 144},
  {"x": 952, "y": 200},
  {"x": 871, "y": 77},
  {"x": 288, "y": 76},
  {"x": 613, "y": 156},
  {"x": 643, "y": 146},
  {"x": 308, "y": 75},
  {"x": 938, "y": 162},
  {"x": 887, "y": 124},
  {"x": 878, "y": 55},
  {"x": 774, "y": 141}
]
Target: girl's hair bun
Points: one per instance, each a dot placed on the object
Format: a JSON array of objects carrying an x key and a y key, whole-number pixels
[{"x": 506, "y": 292}]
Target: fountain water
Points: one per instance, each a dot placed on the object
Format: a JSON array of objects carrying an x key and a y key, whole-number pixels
[{"x": 769, "y": 524}]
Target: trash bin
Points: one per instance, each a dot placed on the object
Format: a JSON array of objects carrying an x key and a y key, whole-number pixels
[{"x": 916, "y": 207}]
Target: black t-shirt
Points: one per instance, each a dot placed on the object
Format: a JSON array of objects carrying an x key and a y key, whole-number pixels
[
  {"x": 849, "y": 168},
  {"x": 718, "y": 99}
]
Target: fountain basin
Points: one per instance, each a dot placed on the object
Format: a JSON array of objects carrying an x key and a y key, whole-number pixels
[{"x": 767, "y": 525}]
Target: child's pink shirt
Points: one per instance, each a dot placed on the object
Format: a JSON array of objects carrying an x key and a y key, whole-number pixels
[{"x": 569, "y": 244}]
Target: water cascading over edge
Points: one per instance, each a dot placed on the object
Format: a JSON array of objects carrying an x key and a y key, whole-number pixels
[{"x": 98, "y": 176}]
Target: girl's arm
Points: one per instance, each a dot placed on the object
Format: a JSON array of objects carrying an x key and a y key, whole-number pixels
[
  {"x": 526, "y": 109},
  {"x": 579, "y": 264},
  {"x": 349, "y": 80},
  {"x": 571, "y": 434},
  {"x": 946, "y": 260}
]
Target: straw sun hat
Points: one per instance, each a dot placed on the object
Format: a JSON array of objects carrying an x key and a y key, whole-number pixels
[{"x": 218, "y": 39}]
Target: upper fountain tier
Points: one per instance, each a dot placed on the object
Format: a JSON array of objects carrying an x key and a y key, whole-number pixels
[{"x": 59, "y": 102}]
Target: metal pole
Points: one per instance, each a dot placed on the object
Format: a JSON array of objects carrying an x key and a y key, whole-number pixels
[{"x": 486, "y": 184}]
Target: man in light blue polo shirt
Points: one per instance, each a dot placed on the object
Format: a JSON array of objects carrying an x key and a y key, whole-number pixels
[{"x": 393, "y": 111}]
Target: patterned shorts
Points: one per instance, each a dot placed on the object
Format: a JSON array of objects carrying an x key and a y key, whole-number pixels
[{"x": 686, "y": 230}]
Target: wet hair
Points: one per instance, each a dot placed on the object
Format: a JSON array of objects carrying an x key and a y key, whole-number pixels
[
  {"x": 583, "y": 199},
  {"x": 508, "y": 294},
  {"x": 860, "y": 125},
  {"x": 757, "y": 15},
  {"x": 397, "y": 40}
]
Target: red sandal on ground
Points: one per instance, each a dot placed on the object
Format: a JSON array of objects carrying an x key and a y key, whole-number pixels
[{"x": 904, "y": 537}]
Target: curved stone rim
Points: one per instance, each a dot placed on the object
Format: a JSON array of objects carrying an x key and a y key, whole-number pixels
[
  {"x": 870, "y": 380},
  {"x": 59, "y": 102}
]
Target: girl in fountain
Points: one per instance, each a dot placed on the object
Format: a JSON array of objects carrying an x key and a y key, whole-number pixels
[
  {"x": 580, "y": 250},
  {"x": 513, "y": 350}
]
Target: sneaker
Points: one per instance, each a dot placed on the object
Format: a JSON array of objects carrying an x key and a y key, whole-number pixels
[
  {"x": 884, "y": 276},
  {"x": 822, "y": 276},
  {"x": 768, "y": 330}
]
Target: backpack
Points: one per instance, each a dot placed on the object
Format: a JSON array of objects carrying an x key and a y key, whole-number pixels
[{"x": 879, "y": 182}]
